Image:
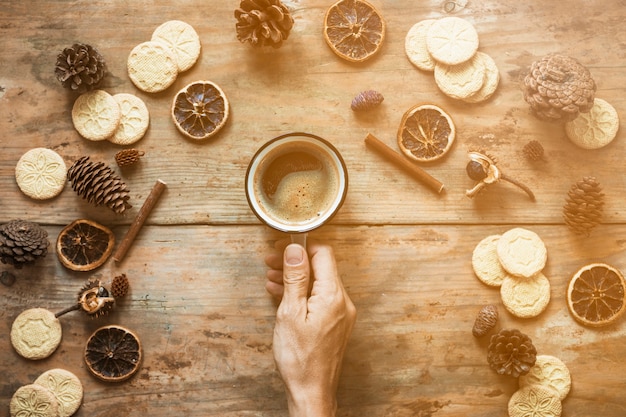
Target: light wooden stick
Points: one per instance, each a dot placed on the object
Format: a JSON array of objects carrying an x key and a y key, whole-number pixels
[
  {"x": 415, "y": 171},
  {"x": 138, "y": 222}
]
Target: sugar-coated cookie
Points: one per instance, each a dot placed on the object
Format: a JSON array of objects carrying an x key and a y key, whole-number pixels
[
  {"x": 95, "y": 115},
  {"x": 491, "y": 80},
  {"x": 462, "y": 80},
  {"x": 522, "y": 252},
  {"x": 452, "y": 40},
  {"x": 485, "y": 262},
  {"x": 182, "y": 40},
  {"x": 595, "y": 129},
  {"x": 543, "y": 401},
  {"x": 134, "y": 120},
  {"x": 525, "y": 297},
  {"x": 152, "y": 66},
  {"x": 549, "y": 371},
  {"x": 415, "y": 45},
  {"x": 66, "y": 388},
  {"x": 36, "y": 333},
  {"x": 41, "y": 173},
  {"x": 33, "y": 401}
]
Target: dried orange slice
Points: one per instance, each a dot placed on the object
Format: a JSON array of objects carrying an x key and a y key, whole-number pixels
[
  {"x": 84, "y": 245},
  {"x": 426, "y": 133},
  {"x": 113, "y": 353},
  {"x": 595, "y": 295},
  {"x": 200, "y": 110},
  {"x": 354, "y": 29}
]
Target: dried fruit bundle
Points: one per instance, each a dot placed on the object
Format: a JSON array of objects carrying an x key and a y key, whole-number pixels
[
  {"x": 366, "y": 100},
  {"x": 584, "y": 206},
  {"x": 22, "y": 242},
  {"x": 263, "y": 22},
  {"x": 80, "y": 67},
  {"x": 511, "y": 352}
]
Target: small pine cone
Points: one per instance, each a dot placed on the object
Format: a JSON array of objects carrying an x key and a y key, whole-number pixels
[
  {"x": 127, "y": 157},
  {"x": 533, "y": 150},
  {"x": 98, "y": 184},
  {"x": 366, "y": 100},
  {"x": 511, "y": 352},
  {"x": 120, "y": 286},
  {"x": 263, "y": 22},
  {"x": 485, "y": 320},
  {"x": 22, "y": 242},
  {"x": 80, "y": 67},
  {"x": 558, "y": 87},
  {"x": 583, "y": 206}
]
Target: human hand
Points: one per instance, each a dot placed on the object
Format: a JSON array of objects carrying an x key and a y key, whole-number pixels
[{"x": 312, "y": 330}]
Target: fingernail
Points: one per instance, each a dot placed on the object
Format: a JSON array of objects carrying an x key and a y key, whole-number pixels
[{"x": 293, "y": 255}]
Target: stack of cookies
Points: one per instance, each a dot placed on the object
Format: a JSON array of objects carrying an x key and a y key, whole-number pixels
[
  {"x": 55, "y": 393},
  {"x": 449, "y": 48}
]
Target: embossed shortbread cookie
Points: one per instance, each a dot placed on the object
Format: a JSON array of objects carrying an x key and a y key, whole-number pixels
[
  {"x": 522, "y": 252},
  {"x": 66, "y": 388},
  {"x": 452, "y": 40},
  {"x": 535, "y": 400},
  {"x": 182, "y": 39},
  {"x": 134, "y": 120},
  {"x": 525, "y": 297},
  {"x": 33, "y": 401},
  {"x": 462, "y": 80},
  {"x": 549, "y": 371},
  {"x": 95, "y": 115},
  {"x": 415, "y": 45},
  {"x": 41, "y": 173},
  {"x": 594, "y": 129},
  {"x": 152, "y": 66},
  {"x": 490, "y": 84},
  {"x": 36, "y": 333},
  {"x": 485, "y": 262}
]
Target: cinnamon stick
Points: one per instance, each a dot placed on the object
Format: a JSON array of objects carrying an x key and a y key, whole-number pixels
[
  {"x": 139, "y": 220},
  {"x": 415, "y": 171}
]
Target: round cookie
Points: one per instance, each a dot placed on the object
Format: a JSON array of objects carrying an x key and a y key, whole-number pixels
[
  {"x": 595, "y": 129},
  {"x": 33, "y": 400},
  {"x": 525, "y": 297},
  {"x": 549, "y": 371},
  {"x": 543, "y": 401},
  {"x": 134, "y": 120},
  {"x": 462, "y": 80},
  {"x": 182, "y": 40},
  {"x": 36, "y": 333},
  {"x": 95, "y": 115},
  {"x": 452, "y": 40},
  {"x": 152, "y": 66},
  {"x": 521, "y": 252},
  {"x": 485, "y": 262},
  {"x": 491, "y": 82},
  {"x": 66, "y": 388},
  {"x": 415, "y": 45},
  {"x": 41, "y": 173}
]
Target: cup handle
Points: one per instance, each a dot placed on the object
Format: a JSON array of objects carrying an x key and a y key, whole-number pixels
[{"x": 299, "y": 238}]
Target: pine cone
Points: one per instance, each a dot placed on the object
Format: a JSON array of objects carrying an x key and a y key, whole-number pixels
[
  {"x": 22, "y": 242},
  {"x": 127, "y": 157},
  {"x": 80, "y": 67},
  {"x": 485, "y": 320},
  {"x": 511, "y": 352},
  {"x": 120, "y": 286},
  {"x": 533, "y": 150},
  {"x": 366, "y": 100},
  {"x": 558, "y": 88},
  {"x": 583, "y": 206},
  {"x": 98, "y": 184},
  {"x": 263, "y": 22}
]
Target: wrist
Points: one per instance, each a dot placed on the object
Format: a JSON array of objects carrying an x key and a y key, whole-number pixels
[{"x": 309, "y": 404}]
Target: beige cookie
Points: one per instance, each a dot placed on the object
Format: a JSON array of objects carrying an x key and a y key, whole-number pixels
[
  {"x": 549, "y": 371},
  {"x": 41, "y": 173},
  {"x": 182, "y": 39},
  {"x": 152, "y": 66},
  {"x": 486, "y": 264},
  {"x": 535, "y": 400},
  {"x": 96, "y": 115},
  {"x": 462, "y": 80},
  {"x": 525, "y": 297},
  {"x": 595, "y": 129},
  {"x": 36, "y": 333},
  {"x": 33, "y": 401},
  {"x": 66, "y": 388},
  {"x": 522, "y": 252},
  {"x": 452, "y": 40},
  {"x": 134, "y": 121},
  {"x": 491, "y": 82},
  {"x": 415, "y": 45}
]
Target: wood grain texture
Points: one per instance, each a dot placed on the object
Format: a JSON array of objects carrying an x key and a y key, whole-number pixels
[{"x": 196, "y": 268}]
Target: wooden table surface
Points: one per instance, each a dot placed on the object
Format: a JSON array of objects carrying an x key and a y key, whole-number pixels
[{"x": 197, "y": 275}]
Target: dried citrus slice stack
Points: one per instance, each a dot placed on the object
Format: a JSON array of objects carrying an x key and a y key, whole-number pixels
[
  {"x": 354, "y": 29},
  {"x": 426, "y": 133},
  {"x": 200, "y": 110},
  {"x": 595, "y": 295},
  {"x": 84, "y": 245},
  {"x": 113, "y": 353}
]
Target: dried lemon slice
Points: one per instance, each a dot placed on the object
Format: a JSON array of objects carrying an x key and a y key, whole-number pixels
[
  {"x": 200, "y": 110},
  {"x": 354, "y": 29},
  {"x": 595, "y": 295},
  {"x": 426, "y": 133},
  {"x": 113, "y": 353},
  {"x": 84, "y": 245}
]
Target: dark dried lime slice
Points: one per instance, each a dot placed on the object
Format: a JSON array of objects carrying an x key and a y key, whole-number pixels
[{"x": 113, "y": 353}]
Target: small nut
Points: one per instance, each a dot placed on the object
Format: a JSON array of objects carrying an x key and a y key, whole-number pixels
[{"x": 485, "y": 320}]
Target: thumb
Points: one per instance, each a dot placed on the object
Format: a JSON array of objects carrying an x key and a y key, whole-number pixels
[{"x": 296, "y": 273}]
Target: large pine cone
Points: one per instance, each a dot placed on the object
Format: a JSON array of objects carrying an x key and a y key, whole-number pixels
[
  {"x": 263, "y": 22},
  {"x": 583, "y": 206},
  {"x": 511, "y": 352},
  {"x": 558, "y": 87},
  {"x": 80, "y": 67},
  {"x": 98, "y": 184},
  {"x": 22, "y": 242}
]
